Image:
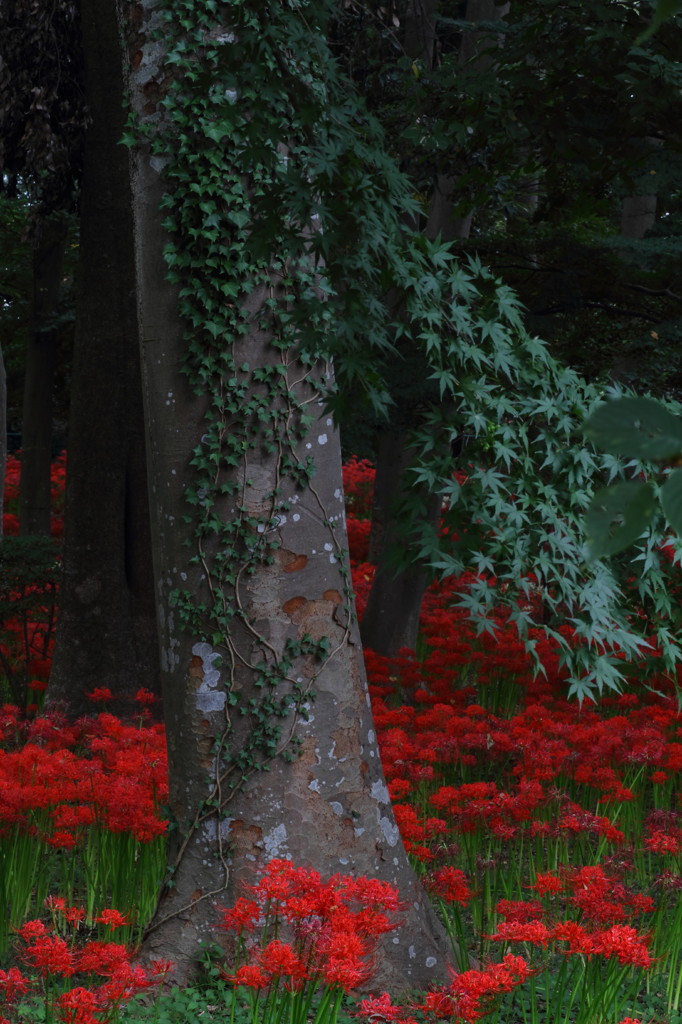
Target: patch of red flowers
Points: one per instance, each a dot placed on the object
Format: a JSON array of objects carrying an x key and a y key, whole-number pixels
[
  {"x": 330, "y": 928},
  {"x": 78, "y": 981}
]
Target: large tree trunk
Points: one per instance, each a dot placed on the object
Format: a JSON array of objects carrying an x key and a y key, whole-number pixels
[
  {"x": 106, "y": 633},
  {"x": 237, "y": 688},
  {"x": 36, "y": 441}
]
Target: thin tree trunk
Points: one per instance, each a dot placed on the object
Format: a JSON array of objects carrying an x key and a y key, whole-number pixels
[
  {"x": 391, "y": 619},
  {"x": 106, "y": 635},
  {"x": 3, "y": 435},
  {"x": 36, "y": 442}
]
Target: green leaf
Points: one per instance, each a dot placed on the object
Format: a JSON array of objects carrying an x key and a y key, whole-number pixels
[
  {"x": 638, "y": 428},
  {"x": 238, "y": 217},
  {"x": 671, "y": 500},
  {"x": 217, "y": 132},
  {"x": 617, "y": 516},
  {"x": 664, "y": 9}
]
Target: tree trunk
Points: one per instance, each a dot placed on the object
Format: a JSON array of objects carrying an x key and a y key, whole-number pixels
[
  {"x": 638, "y": 216},
  {"x": 106, "y": 635},
  {"x": 255, "y": 652},
  {"x": 3, "y": 435},
  {"x": 36, "y": 441},
  {"x": 391, "y": 618}
]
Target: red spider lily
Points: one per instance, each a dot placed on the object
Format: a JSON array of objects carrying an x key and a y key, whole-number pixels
[
  {"x": 126, "y": 981},
  {"x": 334, "y": 925},
  {"x": 547, "y": 884},
  {"x": 249, "y": 975},
  {"x": 438, "y": 1004},
  {"x": 475, "y": 992},
  {"x": 104, "y": 958},
  {"x": 602, "y": 899},
  {"x": 365, "y": 890},
  {"x": 278, "y": 959},
  {"x": 13, "y": 984},
  {"x": 450, "y": 885},
  {"x": 579, "y": 941},
  {"x": 32, "y": 930},
  {"x": 519, "y": 910},
  {"x": 380, "y": 1010},
  {"x": 536, "y": 932},
  {"x": 663, "y": 842},
  {"x": 78, "y": 1006},
  {"x": 345, "y": 974},
  {"x": 112, "y": 918},
  {"x": 145, "y": 697},
  {"x": 626, "y": 944},
  {"x": 101, "y": 694},
  {"x": 49, "y": 954},
  {"x": 244, "y": 915},
  {"x": 358, "y": 484}
]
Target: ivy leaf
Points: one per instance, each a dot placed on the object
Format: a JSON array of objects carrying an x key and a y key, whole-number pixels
[
  {"x": 639, "y": 428},
  {"x": 671, "y": 500},
  {"x": 617, "y": 516},
  {"x": 217, "y": 132},
  {"x": 238, "y": 217}
]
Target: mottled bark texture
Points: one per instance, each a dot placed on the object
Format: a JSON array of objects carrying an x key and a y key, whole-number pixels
[
  {"x": 328, "y": 808},
  {"x": 106, "y": 633}
]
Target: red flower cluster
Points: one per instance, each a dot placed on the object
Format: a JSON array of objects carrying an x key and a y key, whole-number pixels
[
  {"x": 94, "y": 788},
  {"x": 103, "y": 971},
  {"x": 332, "y": 927},
  {"x": 474, "y": 994},
  {"x": 96, "y": 772},
  {"x": 12, "y": 489}
]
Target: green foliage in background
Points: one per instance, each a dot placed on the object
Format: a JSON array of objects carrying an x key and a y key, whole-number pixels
[{"x": 650, "y": 435}]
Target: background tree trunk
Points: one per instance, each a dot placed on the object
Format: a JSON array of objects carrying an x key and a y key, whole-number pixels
[
  {"x": 391, "y": 618},
  {"x": 36, "y": 440},
  {"x": 639, "y": 215},
  {"x": 106, "y": 633},
  {"x": 3, "y": 435}
]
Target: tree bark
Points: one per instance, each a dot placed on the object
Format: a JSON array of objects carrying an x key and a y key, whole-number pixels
[
  {"x": 36, "y": 441},
  {"x": 3, "y": 435},
  {"x": 638, "y": 216},
  {"x": 327, "y": 808},
  {"x": 106, "y": 635},
  {"x": 391, "y": 619}
]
